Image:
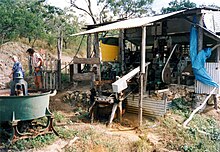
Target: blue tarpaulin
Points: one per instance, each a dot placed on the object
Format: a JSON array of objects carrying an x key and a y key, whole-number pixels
[{"x": 198, "y": 60}]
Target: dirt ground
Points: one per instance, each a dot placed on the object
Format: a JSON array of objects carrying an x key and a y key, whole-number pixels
[
  {"x": 119, "y": 137},
  {"x": 126, "y": 133}
]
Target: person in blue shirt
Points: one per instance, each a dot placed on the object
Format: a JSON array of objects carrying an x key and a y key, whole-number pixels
[
  {"x": 17, "y": 71},
  {"x": 17, "y": 84}
]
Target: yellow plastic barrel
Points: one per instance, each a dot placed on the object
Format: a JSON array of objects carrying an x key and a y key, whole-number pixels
[{"x": 109, "y": 52}]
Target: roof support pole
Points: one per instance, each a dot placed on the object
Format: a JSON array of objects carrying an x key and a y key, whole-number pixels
[
  {"x": 59, "y": 54},
  {"x": 142, "y": 71},
  {"x": 88, "y": 48},
  {"x": 97, "y": 54},
  {"x": 122, "y": 50},
  {"x": 200, "y": 33}
]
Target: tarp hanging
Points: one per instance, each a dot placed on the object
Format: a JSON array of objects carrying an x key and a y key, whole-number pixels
[{"x": 198, "y": 60}]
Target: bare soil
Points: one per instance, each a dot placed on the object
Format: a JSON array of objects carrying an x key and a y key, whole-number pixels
[{"x": 123, "y": 135}]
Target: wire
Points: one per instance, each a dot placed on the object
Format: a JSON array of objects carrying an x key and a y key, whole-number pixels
[{"x": 75, "y": 54}]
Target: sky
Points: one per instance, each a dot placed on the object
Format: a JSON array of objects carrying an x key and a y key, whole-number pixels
[{"x": 157, "y": 4}]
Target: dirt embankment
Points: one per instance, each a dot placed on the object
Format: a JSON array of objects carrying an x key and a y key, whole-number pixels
[
  {"x": 19, "y": 49},
  {"x": 7, "y": 50}
]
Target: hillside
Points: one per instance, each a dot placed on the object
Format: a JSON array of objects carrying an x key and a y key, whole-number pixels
[
  {"x": 19, "y": 49},
  {"x": 7, "y": 50}
]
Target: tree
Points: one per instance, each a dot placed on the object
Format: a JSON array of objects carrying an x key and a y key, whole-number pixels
[
  {"x": 175, "y": 5},
  {"x": 34, "y": 20},
  {"x": 9, "y": 20},
  {"x": 106, "y": 9},
  {"x": 18, "y": 20},
  {"x": 130, "y": 8}
]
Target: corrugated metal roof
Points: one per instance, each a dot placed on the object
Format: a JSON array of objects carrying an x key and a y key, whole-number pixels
[{"x": 130, "y": 23}]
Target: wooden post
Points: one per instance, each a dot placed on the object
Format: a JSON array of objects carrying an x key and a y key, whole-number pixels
[
  {"x": 59, "y": 53},
  {"x": 88, "y": 49},
  {"x": 54, "y": 74},
  {"x": 120, "y": 107},
  {"x": 58, "y": 74},
  {"x": 145, "y": 81},
  {"x": 71, "y": 72},
  {"x": 142, "y": 71},
  {"x": 50, "y": 74},
  {"x": 216, "y": 101},
  {"x": 140, "y": 112},
  {"x": 122, "y": 50},
  {"x": 114, "y": 108},
  {"x": 200, "y": 33},
  {"x": 44, "y": 72},
  {"x": 200, "y": 41},
  {"x": 97, "y": 54}
]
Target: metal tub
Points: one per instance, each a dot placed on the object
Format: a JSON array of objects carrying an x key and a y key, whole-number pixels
[
  {"x": 20, "y": 108},
  {"x": 21, "y": 111}
]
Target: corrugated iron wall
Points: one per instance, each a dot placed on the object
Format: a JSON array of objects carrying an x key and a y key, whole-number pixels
[
  {"x": 217, "y": 21},
  {"x": 214, "y": 70},
  {"x": 151, "y": 107}
]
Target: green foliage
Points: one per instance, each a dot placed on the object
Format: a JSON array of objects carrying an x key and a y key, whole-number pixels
[
  {"x": 59, "y": 117},
  {"x": 35, "y": 20},
  {"x": 129, "y": 8},
  {"x": 181, "y": 107},
  {"x": 37, "y": 142},
  {"x": 110, "y": 9},
  {"x": 175, "y": 5},
  {"x": 65, "y": 78},
  {"x": 191, "y": 140},
  {"x": 66, "y": 133}
]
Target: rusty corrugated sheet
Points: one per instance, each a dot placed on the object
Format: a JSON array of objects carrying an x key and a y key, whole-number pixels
[
  {"x": 214, "y": 70},
  {"x": 151, "y": 107}
]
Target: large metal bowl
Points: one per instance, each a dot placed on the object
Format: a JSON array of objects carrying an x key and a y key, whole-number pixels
[{"x": 20, "y": 108}]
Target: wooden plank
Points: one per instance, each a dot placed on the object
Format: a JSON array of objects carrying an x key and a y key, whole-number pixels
[
  {"x": 86, "y": 61},
  {"x": 82, "y": 76},
  {"x": 54, "y": 80},
  {"x": 97, "y": 83},
  {"x": 51, "y": 80}
]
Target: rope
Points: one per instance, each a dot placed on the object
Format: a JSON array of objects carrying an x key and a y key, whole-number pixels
[{"x": 75, "y": 54}]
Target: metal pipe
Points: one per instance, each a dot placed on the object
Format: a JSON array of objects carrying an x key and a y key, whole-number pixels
[
  {"x": 198, "y": 108},
  {"x": 168, "y": 61},
  {"x": 214, "y": 47}
]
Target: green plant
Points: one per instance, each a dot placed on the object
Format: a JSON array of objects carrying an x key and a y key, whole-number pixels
[
  {"x": 59, "y": 117},
  {"x": 31, "y": 143},
  {"x": 66, "y": 133}
]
